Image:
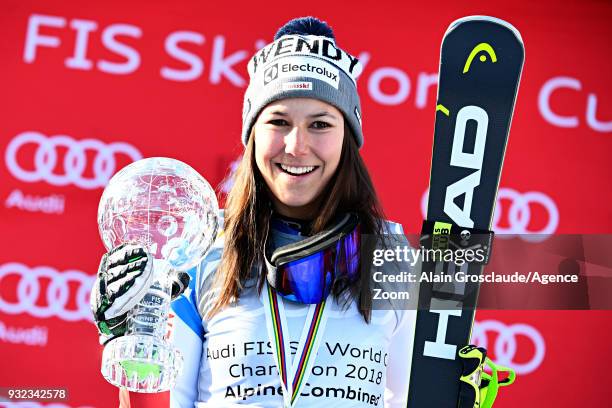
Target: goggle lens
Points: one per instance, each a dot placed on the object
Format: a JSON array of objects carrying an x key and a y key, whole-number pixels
[{"x": 310, "y": 279}]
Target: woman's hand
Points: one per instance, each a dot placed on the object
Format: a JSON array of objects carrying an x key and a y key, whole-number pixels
[{"x": 124, "y": 275}]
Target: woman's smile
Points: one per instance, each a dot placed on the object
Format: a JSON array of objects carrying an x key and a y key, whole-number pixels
[{"x": 295, "y": 170}]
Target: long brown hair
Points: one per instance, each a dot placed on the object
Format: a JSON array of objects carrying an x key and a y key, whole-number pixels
[{"x": 247, "y": 216}]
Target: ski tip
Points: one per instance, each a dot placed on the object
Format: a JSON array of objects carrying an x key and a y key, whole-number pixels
[{"x": 490, "y": 19}]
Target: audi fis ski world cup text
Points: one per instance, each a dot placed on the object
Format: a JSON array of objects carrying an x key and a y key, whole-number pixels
[{"x": 222, "y": 66}]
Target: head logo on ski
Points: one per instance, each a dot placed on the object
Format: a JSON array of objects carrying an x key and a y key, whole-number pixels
[{"x": 483, "y": 58}]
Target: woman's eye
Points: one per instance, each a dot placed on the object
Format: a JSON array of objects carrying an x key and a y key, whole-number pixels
[
  {"x": 320, "y": 125},
  {"x": 278, "y": 122}
]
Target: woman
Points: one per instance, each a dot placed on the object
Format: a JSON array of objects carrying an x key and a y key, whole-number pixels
[{"x": 263, "y": 325}]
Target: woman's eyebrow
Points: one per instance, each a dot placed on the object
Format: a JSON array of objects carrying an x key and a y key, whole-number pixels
[{"x": 324, "y": 113}]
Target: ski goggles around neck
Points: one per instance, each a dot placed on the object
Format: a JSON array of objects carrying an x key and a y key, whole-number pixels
[{"x": 306, "y": 271}]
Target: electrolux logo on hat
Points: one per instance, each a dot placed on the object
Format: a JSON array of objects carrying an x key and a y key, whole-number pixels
[
  {"x": 310, "y": 68},
  {"x": 271, "y": 74},
  {"x": 303, "y": 67}
]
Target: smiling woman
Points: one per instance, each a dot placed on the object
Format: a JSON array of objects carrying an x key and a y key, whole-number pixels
[
  {"x": 301, "y": 213},
  {"x": 287, "y": 284}
]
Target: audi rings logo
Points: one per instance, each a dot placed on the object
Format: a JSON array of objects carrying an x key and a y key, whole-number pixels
[
  {"x": 74, "y": 163},
  {"x": 45, "y": 292},
  {"x": 518, "y": 214},
  {"x": 505, "y": 349}
]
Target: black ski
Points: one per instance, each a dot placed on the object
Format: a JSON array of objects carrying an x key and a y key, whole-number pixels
[{"x": 480, "y": 68}]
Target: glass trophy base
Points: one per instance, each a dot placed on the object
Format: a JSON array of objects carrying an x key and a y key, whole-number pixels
[{"x": 141, "y": 363}]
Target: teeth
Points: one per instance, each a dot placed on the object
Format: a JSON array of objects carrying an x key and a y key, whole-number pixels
[{"x": 297, "y": 170}]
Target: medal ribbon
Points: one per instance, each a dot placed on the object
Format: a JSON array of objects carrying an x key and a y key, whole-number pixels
[{"x": 300, "y": 370}]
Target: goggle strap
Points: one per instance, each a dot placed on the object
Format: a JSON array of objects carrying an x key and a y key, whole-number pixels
[{"x": 317, "y": 242}]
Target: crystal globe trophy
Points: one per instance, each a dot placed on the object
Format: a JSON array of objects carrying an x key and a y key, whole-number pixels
[{"x": 168, "y": 208}]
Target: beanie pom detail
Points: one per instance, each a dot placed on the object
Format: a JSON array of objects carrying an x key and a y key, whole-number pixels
[{"x": 305, "y": 26}]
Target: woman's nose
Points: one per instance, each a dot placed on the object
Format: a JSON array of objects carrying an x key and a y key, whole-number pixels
[{"x": 296, "y": 142}]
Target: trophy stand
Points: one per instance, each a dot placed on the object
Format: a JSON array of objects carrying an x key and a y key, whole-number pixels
[{"x": 143, "y": 360}]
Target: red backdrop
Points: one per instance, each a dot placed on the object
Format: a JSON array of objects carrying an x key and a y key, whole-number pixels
[{"x": 87, "y": 88}]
